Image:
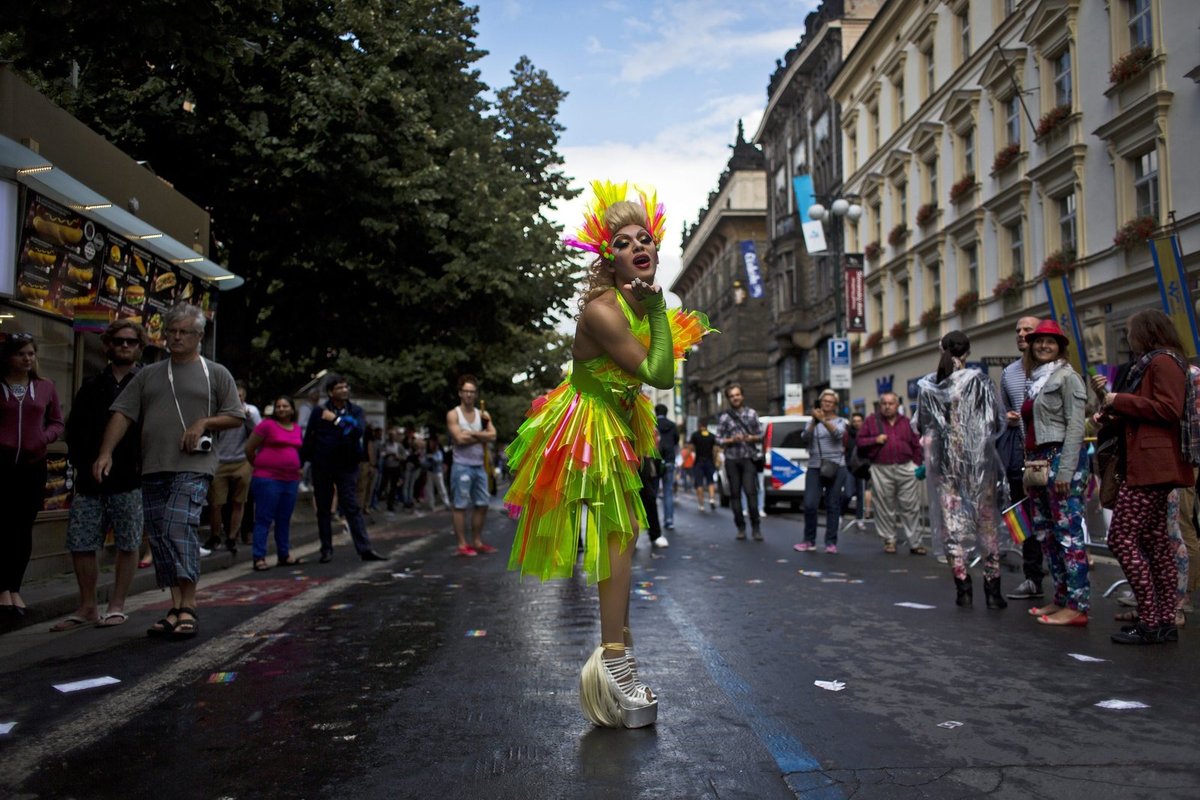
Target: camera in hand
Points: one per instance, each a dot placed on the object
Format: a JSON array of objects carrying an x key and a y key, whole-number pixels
[{"x": 205, "y": 443}]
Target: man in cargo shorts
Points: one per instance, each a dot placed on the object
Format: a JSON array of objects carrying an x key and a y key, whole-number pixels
[{"x": 470, "y": 430}]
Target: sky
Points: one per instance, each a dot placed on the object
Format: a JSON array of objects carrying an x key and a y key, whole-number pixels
[{"x": 655, "y": 90}]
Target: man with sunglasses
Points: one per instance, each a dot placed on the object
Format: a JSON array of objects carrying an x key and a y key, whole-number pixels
[{"x": 115, "y": 503}]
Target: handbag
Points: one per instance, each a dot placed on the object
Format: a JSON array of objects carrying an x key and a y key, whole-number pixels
[
  {"x": 829, "y": 467},
  {"x": 1108, "y": 467},
  {"x": 1037, "y": 473},
  {"x": 757, "y": 460}
]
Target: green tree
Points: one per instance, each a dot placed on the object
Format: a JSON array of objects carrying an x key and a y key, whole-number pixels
[{"x": 388, "y": 218}]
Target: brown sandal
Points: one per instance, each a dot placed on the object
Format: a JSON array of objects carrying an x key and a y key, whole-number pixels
[
  {"x": 1130, "y": 615},
  {"x": 261, "y": 565}
]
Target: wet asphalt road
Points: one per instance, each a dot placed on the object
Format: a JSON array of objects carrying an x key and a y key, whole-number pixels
[{"x": 362, "y": 681}]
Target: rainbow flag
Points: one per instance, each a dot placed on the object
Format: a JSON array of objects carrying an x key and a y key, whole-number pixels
[
  {"x": 91, "y": 319},
  {"x": 1019, "y": 527}
]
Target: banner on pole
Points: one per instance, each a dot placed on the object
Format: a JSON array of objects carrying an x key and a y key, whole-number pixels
[
  {"x": 753, "y": 273},
  {"x": 1174, "y": 290},
  {"x": 1062, "y": 311},
  {"x": 856, "y": 301},
  {"x": 814, "y": 234}
]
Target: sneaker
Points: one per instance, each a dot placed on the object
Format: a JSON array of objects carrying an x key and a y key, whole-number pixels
[
  {"x": 861, "y": 525},
  {"x": 803, "y": 547},
  {"x": 205, "y": 552},
  {"x": 1127, "y": 599},
  {"x": 831, "y": 549},
  {"x": 712, "y": 505},
  {"x": 661, "y": 541},
  {"x": 1026, "y": 590},
  {"x": 670, "y": 526}
]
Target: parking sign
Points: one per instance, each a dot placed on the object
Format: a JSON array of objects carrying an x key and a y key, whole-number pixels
[{"x": 840, "y": 376}]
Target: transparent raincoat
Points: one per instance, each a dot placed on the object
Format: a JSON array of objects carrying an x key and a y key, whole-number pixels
[{"x": 959, "y": 419}]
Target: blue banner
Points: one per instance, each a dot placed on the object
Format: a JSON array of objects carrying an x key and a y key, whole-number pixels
[
  {"x": 753, "y": 273},
  {"x": 814, "y": 234},
  {"x": 1175, "y": 293}
]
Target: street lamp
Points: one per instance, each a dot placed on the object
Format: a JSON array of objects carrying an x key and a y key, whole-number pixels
[{"x": 840, "y": 207}]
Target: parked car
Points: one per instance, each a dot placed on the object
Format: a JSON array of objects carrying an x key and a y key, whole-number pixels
[{"x": 785, "y": 461}]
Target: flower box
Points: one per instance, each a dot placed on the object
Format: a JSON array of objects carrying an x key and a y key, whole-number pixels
[
  {"x": 1008, "y": 287},
  {"x": 1005, "y": 158},
  {"x": 1135, "y": 232},
  {"x": 874, "y": 338},
  {"x": 966, "y": 301},
  {"x": 897, "y": 235},
  {"x": 1052, "y": 120},
  {"x": 1130, "y": 65},
  {"x": 962, "y": 188},
  {"x": 871, "y": 251},
  {"x": 926, "y": 213},
  {"x": 931, "y": 316},
  {"x": 1061, "y": 262},
  {"x": 899, "y": 329}
]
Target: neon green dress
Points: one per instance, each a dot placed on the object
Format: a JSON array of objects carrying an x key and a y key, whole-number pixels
[{"x": 575, "y": 460}]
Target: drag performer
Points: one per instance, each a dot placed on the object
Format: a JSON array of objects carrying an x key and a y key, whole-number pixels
[
  {"x": 959, "y": 420},
  {"x": 575, "y": 459}
]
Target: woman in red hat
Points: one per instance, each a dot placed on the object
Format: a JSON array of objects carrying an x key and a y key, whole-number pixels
[{"x": 1054, "y": 412}]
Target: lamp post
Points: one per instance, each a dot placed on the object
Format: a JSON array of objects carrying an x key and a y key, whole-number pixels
[{"x": 840, "y": 207}]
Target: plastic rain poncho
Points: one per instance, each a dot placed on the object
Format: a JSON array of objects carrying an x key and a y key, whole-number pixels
[{"x": 959, "y": 419}]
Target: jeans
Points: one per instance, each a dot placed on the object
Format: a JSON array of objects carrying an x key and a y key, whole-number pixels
[
  {"x": 668, "y": 493},
  {"x": 743, "y": 478},
  {"x": 815, "y": 488},
  {"x": 855, "y": 488},
  {"x": 324, "y": 479},
  {"x": 274, "y": 501}
]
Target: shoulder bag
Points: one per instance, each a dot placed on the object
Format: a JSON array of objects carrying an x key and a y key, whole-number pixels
[{"x": 829, "y": 467}]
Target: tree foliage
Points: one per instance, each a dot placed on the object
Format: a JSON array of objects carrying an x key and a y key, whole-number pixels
[{"x": 387, "y": 215}]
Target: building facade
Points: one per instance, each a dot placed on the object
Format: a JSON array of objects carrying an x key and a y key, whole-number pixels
[
  {"x": 995, "y": 142},
  {"x": 715, "y": 278},
  {"x": 799, "y": 136}
]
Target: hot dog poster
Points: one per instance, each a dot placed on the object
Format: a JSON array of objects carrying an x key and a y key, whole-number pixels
[
  {"x": 59, "y": 260},
  {"x": 66, "y": 261}
]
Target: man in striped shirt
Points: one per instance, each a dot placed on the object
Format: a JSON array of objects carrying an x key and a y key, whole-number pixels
[{"x": 1013, "y": 384}]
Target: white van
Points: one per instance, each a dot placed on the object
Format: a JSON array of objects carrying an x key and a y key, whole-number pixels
[{"x": 785, "y": 461}]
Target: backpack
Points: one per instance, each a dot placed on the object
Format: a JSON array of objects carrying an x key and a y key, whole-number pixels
[{"x": 1191, "y": 417}]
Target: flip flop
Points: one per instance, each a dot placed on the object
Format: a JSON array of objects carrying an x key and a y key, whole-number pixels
[
  {"x": 106, "y": 619},
  {"x": 71, "y": 623}
]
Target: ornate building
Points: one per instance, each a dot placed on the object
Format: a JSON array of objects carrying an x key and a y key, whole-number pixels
[
  {"x": 997, "y": 141},
  {"x": 719, "y": 254},
  {"x": 799, "y": 136}
]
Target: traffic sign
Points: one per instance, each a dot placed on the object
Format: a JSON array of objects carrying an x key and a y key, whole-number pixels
[{"x": 840, "y": 376}]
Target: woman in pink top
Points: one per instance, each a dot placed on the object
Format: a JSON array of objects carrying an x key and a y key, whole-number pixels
[
  {"x": 30, "y": 419},
  {"x": 274, "y": 450}
]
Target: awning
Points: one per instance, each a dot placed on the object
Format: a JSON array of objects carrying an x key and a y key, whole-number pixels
[{"x": 23, "y": 165}]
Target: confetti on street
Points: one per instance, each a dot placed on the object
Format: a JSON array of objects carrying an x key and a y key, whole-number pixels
[
  {"x": 222, "y": 677},
  {"x": 90, "y": 683},
  {"x": 476, "y": 633},
  {"x": 920, "y": 606},
  {"x": 1121, "y": 705},
  {"x": 831, "y": 686},
  {"x": 1089, "y": 659}
]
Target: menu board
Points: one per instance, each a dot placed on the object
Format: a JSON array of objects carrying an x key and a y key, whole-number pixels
[
  {"x": 58, "y": 267},
  {"x": 67, "y": 261}
]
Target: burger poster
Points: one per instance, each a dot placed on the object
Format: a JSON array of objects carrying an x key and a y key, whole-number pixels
[
  {"x": 66, "y": 261},
  {"x": 59, "y": 259}
]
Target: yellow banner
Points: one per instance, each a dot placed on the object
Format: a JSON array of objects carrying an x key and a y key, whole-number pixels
[{"x": 1062, "y": 310}]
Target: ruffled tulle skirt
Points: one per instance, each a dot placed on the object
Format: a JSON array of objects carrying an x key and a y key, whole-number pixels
[{"x": 575, "y": 480}]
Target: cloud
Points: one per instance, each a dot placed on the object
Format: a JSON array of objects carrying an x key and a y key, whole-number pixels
[
  {"x": 513, "y": 9},
  {"x": 708, "y": 35}
]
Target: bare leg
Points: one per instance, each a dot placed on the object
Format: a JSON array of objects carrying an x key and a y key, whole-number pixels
[
  {"x": 126, "y": 565},
  {"x": 478, "y": 518},
  {"x": 614, "y": 594},
  {"x": 459, "y": 517},
  {"x": 85, "y": 575}
]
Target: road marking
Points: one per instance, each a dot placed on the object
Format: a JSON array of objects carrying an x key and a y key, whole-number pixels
[
  {"x": 119, "y": 708},
  {"x": 789, "y": 752}
]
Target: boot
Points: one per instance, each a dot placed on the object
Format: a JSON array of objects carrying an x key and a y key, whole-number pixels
[
  {"x": 991, "y": 590},
  {"x": 964, "y": 591}
]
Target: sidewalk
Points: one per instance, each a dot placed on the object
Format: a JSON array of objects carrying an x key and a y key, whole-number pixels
[{"x": 50, "y": 598}]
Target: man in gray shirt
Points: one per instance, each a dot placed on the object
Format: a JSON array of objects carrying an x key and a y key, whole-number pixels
[
  {"x": 1014, "y": 382},
  {"x": 181, "y": 402}
]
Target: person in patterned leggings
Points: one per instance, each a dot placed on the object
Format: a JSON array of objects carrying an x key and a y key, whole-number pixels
[{"x": 1150, "y": 411}]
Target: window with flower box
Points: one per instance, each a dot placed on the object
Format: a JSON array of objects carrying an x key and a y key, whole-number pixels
[
  {"x": 1067, "y": 223},
  {"x": 1140, "y": 32},
  {"x": 1145, "y": 184},
  {"x": 1061, "y": 68}
]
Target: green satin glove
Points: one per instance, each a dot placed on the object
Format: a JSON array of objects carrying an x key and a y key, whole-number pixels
[{"x": 658, "y": 369}]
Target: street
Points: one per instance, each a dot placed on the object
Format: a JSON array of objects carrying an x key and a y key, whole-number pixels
[{"x": 431, "y": 675}]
